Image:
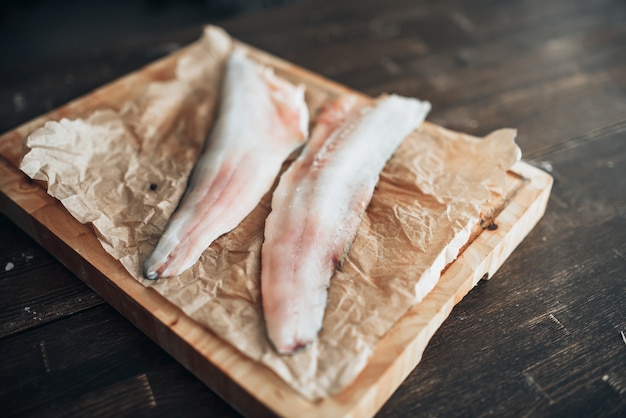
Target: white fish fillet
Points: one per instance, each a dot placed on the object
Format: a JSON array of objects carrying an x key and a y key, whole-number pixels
[
  {"x": 318, "y": 206},
  {"x": 261, "y": 120}
]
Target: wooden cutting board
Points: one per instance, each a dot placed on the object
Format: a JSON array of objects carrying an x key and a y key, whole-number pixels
[{"x": 250, "y": 387}]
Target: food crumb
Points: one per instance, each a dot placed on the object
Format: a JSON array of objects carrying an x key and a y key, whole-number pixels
[
  {"x": 19, "y": 101},
  {"x": 9, "y": 266}
]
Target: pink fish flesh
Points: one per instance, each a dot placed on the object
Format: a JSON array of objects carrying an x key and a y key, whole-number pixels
[
  {"x": 317, "y": 208},
  {"x": 261, "y": 120}
]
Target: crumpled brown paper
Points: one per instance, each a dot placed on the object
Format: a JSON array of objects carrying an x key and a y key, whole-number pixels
[{"x": 124, "y": 171}]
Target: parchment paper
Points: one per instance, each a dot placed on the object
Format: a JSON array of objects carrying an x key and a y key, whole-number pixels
[{"x": 123, "y": 170}]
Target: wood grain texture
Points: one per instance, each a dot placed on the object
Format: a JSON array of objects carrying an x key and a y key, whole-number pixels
[
  {"x": 543, "y": 339},
  {"x": 238, "y": 380}
]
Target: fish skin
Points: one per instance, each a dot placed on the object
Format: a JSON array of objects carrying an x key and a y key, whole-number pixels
[
  {"x": 261, "y": 120},
  {"x": 318, "y": 206}
]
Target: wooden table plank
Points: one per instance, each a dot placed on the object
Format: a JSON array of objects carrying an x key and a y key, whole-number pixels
[
  {"x": 102, "y": 366},
  {"x": 30, "y": 297},
  {"x": 548, "y": 333}
]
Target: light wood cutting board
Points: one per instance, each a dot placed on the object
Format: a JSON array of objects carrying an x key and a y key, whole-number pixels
[{"x": 250, "y": 387}]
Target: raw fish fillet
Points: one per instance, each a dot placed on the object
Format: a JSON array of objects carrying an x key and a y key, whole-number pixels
[
  {"x": 317, "y": 208},
  {"x": 261, "y": 120}
]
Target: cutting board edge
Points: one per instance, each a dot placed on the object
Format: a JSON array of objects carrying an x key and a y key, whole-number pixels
[
  {"x": 456, "y": 282},
  {"x": 167, "y": 326},
  {"x": 171, "y": 329}
]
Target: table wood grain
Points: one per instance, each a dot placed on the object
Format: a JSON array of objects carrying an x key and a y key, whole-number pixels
[{"x": 545, "y": 337}]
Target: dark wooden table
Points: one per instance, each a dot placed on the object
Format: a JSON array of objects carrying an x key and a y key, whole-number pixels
[{"x": 544, "y": 337}]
